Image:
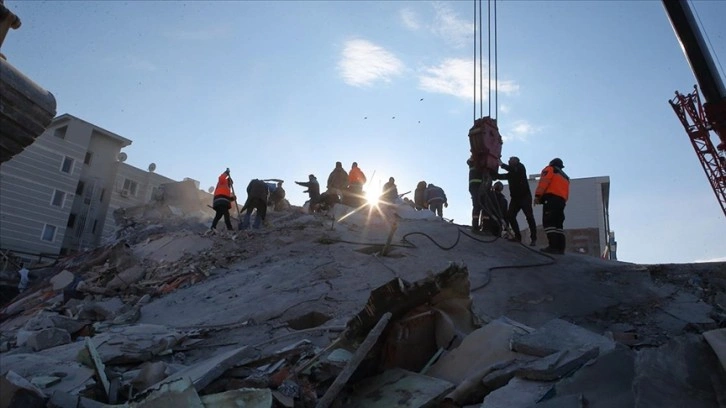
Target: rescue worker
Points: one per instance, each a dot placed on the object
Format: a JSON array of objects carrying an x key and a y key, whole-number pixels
[
  {"x": 493, "y": 209},
  {"x": 338, "y": 178},
  {"x": 553, "y": 191},
  {"x": 435, "y": 199},
  {"x": 277, "y": 196},
  {"x": 313, "y": 191},
  {"x": 475, "y": 180},
  {"x": 520, "y": 198},
  {"x": 222, "y": 201},
  {"x": 418, "y": 196},
  {"x": 356, "y": 180},
  {"x": 390, "y": 191},
  {"x": 257, "y": 195}
]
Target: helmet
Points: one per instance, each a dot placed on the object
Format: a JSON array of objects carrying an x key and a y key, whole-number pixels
[{"x": 557, "y": 162}]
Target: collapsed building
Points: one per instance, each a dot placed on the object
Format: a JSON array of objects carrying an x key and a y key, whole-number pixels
[{"x": 367, "y": 307}]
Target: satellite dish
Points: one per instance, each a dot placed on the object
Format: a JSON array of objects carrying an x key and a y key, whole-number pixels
[
  {"x": 210, "y": 189},
  {"x": 122, "y": 157},
  {"x": 152, "y": 167}
]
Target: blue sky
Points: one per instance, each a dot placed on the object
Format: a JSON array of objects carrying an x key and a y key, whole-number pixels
[{"x": 284, "y": 89}]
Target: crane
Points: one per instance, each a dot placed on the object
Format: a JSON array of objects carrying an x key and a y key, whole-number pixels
[{"x": 700, "y": 119}]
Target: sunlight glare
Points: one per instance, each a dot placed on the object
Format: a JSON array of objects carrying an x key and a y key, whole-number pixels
[{"x": 372, "y": 197}]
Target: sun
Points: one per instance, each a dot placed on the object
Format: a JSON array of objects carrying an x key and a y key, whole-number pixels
[{"x": 372, "y": 198}]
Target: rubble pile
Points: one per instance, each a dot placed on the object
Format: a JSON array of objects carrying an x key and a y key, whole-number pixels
[{"x": 360, "y": 308}]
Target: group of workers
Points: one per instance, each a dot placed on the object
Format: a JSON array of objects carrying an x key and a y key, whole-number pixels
[{"x": 490, "y": 211}]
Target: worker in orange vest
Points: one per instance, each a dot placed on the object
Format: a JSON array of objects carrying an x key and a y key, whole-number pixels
[
  {"x": 553, "y": 191},
  {"x": 356, "y": 179},
  {"x": 222, "y": 202}
]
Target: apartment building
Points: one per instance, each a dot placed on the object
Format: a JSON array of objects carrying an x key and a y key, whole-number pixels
[
  {"x": 59, "y": 194},
  {"x": 587, "y": 217}
]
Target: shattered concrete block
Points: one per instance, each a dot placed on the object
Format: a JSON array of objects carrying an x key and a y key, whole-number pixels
[
  {"x": 62, "y": 279},
  {"x": 717, "y": 340},
  {"x": 557, "y": 365},
  {"x": 518, "y": 393},
  {"x": 245, "y": 397},
  {"x": 567, "y": 401},
  {"x": 150, "y": 374},
  {"x": 126, "y": 277},
  {"x": 72, "y": 374},
  {"x": 176, "y": 392},
  {"x": 397, "y": 387},
  {"x": 16, "y": 391},
  {"x": 47, "y": 338},
  {"x": 557, "y": 335}
]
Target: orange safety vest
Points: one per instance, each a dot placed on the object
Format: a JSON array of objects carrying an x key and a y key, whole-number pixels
[
  {"x": 356, "y": 176},
  {"x": 223, "y": 186},
  {"x": 554, "y": 182}
]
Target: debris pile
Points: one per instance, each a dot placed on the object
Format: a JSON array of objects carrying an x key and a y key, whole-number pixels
[{"x": 356, "y": 310}]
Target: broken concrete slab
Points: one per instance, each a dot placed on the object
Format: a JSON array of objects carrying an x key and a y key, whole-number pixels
[
  {"x": 126, "y": 278},
  {"x": 206, "y": 371},
  {"x": 567, "y": 401},
  {"x": 397, "y": 388},
  {"x": 176, "y": 392},
  {"x": 607, "y": 383},
  {"x": 124, "y": 344},
  {"x": 677, "y": 374},
  {"x": 689, "y": 309},
  {"x": 557, "y": 335},
  {"x": 48, "y": 338},
  {"x": 244, "y": 397},
  {"x": 717, "y": 340},
  {"x": 172, "y": 247},
  {"x": 62, "y": 279},
  {"x": 73, "y": 375},
  {"x": 16, "y": 391},
  {"x": 482, "y": 348},
  {"x": 557, "y": 365},
  {"x": 518, "y": 393}
]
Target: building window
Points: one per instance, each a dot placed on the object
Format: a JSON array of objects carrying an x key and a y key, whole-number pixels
[
  {"x": 67, "y": 166},
  {"x": 87, "y": 159},
  {"x": 95, "y": 223},
  {"x": 58, "y": 198},
  {"x": 60, "y": 132},
  {"x": 129, "y": 188},
  {"x": 48, "y": 233},
  {"x": 103, "y": 193},
  {"x": 71, "y": 221},
  {"x": 79, "y": 188}
]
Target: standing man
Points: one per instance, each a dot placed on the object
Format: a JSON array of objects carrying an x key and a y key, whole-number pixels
[
  {"x": 521, "y": 198},
  {"x": 356, "y": 179},
  {"x": 553, "y": 191},
  {"x": 223, "y": 200},
  {"x": 435, "y": 198},
  {"x": 338, "y": 178},
  {"x": 418, "y": 196},
  {"x": 390, "y": 191},
  {"x": 313, "y": 191},
  {"x": 257, "y": 195},
  {"x": 475, "y": 180}
]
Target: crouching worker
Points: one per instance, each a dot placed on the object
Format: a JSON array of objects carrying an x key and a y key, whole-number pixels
[
  {"x": 257, "y": 194},
  {"x": 222, "y": 202}
]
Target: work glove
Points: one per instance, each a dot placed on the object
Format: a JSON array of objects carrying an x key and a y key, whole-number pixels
[{"x": 446, "y": 205}]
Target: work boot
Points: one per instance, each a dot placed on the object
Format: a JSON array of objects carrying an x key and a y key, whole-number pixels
[
  {"x": 551, "y": 250},
  {"x": 533, "y": 242},
  {"x": 475, "y": 225},
  {"x": 245, "y": 223}
]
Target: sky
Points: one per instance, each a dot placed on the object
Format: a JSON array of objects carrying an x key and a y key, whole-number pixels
[{"x": 283, "y": 89}]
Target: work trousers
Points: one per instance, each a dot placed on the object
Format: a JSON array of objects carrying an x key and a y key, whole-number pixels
[
  {"x": 553, "y": 219},
  {"x": 523, "y": 204},
  {"x": 475, "y": 204},
  {"x": 222, "y": 211},
  {"x": 254, "y": 204},
  {"x": 437, "y": 207}
]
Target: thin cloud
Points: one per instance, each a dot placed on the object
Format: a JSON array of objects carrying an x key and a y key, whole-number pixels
[
  {"x": 141, "y": 64},
  {"x": 363, "y": 63},
  {"x": 410, "y": 19},
  {"x": 505, "y": 108},
  {"x": 201, "y": 34},
  {"x": 520, "y": 130},
  {"x": 449, "y": 26},
  {"x": 455, "y": 76}
]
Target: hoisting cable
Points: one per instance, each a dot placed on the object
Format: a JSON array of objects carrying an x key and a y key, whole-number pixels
[
  {"x": 496, "y": 69},
  {"x": 481, "y": 66},
  {"x": 489, "y": 58}
]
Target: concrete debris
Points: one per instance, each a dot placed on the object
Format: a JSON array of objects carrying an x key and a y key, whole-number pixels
[
  {"x": 558, "y": 335},
  {"x": 353, "y": 308}
]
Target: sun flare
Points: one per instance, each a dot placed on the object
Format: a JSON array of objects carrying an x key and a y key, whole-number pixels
[{"x": 372, "y": 198}]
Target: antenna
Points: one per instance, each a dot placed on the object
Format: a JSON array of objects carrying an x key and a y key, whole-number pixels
[
  {"x": 122, "y": 157},
  {"x": 152, "y": 167}
]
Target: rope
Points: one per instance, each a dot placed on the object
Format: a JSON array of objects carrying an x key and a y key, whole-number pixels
[
  {"x": 474, "y": 118},
  {"x": 481, "y": 71},
  {"x": 489, "y": 49},
  {"x": 496, "y": 69}
]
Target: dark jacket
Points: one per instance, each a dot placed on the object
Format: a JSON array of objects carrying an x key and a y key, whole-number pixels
[
  {"x": 418, "y": 195},
  {"x": 338, "y": 179},
  {"x": 257, "y": 189},
  {"x": 435, "y": 194},
  {"x": 313, "y": 188},
  {"x": 390, "y": 192},
  {"x": 517, "y": 179}
]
